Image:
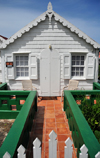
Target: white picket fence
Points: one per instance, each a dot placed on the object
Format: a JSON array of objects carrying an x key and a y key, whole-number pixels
[{"x": 68, "y": 149}]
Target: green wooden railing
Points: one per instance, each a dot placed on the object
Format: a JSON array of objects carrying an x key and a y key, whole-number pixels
[
  {"x": 96, "y": 86},
  {"x": 19, "y": 132},
  {"x": 3, "y": 86},
  {"x": 81, "y": 131},
  {"x": 8, "y": 99}
]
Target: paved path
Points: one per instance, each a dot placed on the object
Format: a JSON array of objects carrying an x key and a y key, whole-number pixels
[{"x": 50, "y": 116}]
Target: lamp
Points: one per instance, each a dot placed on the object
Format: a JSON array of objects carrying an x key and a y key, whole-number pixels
[{"x": 50, "y": 46}]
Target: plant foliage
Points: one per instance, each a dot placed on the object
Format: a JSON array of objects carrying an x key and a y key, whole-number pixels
[{"x": 91, "y": 110}]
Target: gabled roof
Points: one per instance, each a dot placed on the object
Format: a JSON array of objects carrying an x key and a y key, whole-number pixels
[
  {"x": 2, "y": 38},
  {"x": 57, "y": 17}
]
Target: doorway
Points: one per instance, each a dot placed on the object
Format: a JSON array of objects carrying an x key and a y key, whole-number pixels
[{"x": 50, "y": 73}]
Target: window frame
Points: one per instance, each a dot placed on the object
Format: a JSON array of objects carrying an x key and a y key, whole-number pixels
[
  {"x": 19, "y": 53},
  {"x": 79, "y": 77},
  {"x": 21, "y": 77}
]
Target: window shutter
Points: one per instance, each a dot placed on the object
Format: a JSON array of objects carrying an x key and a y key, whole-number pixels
[
  {"x": 33, "y": 67},
  {"x": 10, "y": 70},
  {"x": 67, "y": 66},
  {"x": 90, "y": 66}
]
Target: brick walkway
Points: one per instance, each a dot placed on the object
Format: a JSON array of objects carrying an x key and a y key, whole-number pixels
[{"x": 50, "y": 116}]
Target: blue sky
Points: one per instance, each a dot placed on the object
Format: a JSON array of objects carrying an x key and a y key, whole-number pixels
[{"x": 84, "y": 14}]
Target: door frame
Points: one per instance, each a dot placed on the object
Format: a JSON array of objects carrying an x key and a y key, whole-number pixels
[{"x": 49, "y": 51}]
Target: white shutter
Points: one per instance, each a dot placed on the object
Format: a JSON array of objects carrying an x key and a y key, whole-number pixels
[
  {"x": 67, "y": 66},
  {"x": 10, "y": 70},
  {"x": 33, "y": 67},
  {"x": 90, "y": 66}
]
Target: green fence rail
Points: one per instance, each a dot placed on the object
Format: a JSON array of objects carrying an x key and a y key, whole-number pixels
[
  {"x": 81, "y": 131},
  {"x": 96, "y": 86},
  {"x": 3, "y": 86},
  {"x": 8, "y": 114},
  {"x": 8, "y": 99},
  {"x": 19, "y": 132}
]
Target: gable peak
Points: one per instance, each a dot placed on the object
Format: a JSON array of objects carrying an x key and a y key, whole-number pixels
[
  {"x": 49, "y": 13},
  {"x": 49, "y": 8}
]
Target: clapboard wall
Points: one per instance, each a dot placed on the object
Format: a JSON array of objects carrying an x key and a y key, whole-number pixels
[{"x": 40, "y": 37}]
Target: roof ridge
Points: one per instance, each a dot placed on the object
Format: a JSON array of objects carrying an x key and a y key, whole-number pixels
[{"x": 57, "y": 17}]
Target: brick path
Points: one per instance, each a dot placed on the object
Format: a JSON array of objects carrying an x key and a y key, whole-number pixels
[{"x": 50, "y": 116}]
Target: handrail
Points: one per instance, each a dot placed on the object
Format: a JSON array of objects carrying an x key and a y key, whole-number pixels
[
  {"x": 3, "y": 86},
  {"x": 96, "y": 86},
  {"x": 19, "y": 133},
  {"x": 9, "y": 98},
  {"x": 81, "y": 132},
  {"x": 8, "y": 114}
]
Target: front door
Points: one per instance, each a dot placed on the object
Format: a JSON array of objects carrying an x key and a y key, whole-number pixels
[{"x": 50, "y": 73}]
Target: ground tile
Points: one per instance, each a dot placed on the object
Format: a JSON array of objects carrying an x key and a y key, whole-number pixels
[
  {"x": 49, "y": 115},
  {"x": 59, "y": 116},
  {"x": 39, "y": 120},
  {"x": 57, "y": 112},
  {"x": 61, "y": 154},
  {"x": 60, "y": 120},
  {"x": 39, "y": 125},
  {"x": 50, "y": 108},
  {"x": 49, "y": 105},
  {"x": 42, "y": 154},
  {"x": 61, "y": 145},
  {"x": 48, "y": 130},
  {"x": 46, "y": 154},
  {"x": 50, "y": 124},
  {"x": 38, "y": 131},
  {"x": 61, "y": 125},
  {"x": 46, "y": 147},
  {"x": 47, "y": 137},
  {"x": 50, "y": 119},
  {"x": 62, "y": 131},
  {"x": 58, "y": 108},
  {"x": 62, "y": 137}
]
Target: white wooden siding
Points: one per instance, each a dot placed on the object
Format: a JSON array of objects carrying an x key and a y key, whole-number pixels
[
  {"x": 39, "y": 38},
  {"x": 44, "y": 34}
]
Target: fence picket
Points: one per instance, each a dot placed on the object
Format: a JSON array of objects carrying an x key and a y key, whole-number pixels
[
  {"x": 52, "y": 145},
  {"x": 84, "y": 151},
  {"x": 21, "y": 152},
  {"x": 52, "y": 149},
  {"x": 68, "y": 148},
  {"x": 7, "y": 155},
  {"x": 36, "y": 148},
  {"x": 97, "y": 155}
]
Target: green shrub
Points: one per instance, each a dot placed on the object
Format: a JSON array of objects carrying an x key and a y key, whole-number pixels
[
  {"x": 91, "y": 112},
  {"x": 97, "y": 134}
]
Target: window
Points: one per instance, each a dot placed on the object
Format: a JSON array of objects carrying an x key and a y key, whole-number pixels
[
  {"x": 22, "y": 66},
  {"x": 77, "y": 68}
]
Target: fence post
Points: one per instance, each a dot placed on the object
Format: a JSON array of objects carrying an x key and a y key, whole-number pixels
[
  {"x": 6, "y": 155},
  {"x": 84, "y": 151},
  {"x": 21, "y": 152},
  {"x": 97, "y": 155},
  {"x": 36, "y": 148},
  {"x": 68, "y": 148},
  {"x": 52, "y": 145}
]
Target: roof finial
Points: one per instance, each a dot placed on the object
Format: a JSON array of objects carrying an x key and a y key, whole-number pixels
[{"x": 49, "y": 7}]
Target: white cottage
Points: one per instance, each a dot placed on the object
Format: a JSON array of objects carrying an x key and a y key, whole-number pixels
[{"x": 50, "y": 51}]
